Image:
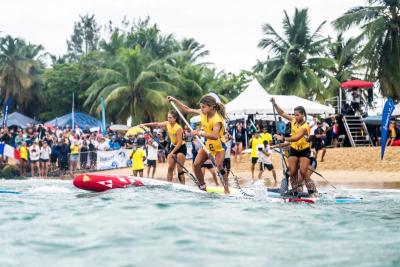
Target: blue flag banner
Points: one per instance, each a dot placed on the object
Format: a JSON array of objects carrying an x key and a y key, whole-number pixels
[
  {"x": 386, "y": 114},
  {"x": 6, "y": 110},
  {"x": 103, "y": 116},
  {"x": 73, "y": 112}
]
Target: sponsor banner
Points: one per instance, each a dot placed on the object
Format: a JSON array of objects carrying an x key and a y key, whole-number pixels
[{"x": 113, "y": 159}]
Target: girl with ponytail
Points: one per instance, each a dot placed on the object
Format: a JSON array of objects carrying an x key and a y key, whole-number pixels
[{"x": 213, "y": 115}]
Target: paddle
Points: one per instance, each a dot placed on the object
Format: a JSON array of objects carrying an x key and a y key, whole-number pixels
[
  {"x": 210, "y": 156},
  {"x": 285, "y": 181},
  {"x": 195, "y": 180}
]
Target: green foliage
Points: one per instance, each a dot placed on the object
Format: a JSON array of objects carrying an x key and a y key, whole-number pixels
[
  {"x": 85, "y": 37},
  {"x": 59, "y": 84},
  {"x": 21, "y": 68},
  {"x": 298, "y": 67},
  {"x": 380, "y": 29}
]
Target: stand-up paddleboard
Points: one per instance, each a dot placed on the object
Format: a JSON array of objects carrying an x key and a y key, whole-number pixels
[
  {"x": 103, "y": 182},
  {"x": 6, "y": 191}
]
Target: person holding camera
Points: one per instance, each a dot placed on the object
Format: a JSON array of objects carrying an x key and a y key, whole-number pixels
[{"x": 264, "y": 153}]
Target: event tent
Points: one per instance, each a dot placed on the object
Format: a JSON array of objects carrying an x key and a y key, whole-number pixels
[
  {"x": 255, "y": 100},
  {"x": 396, "y": 111},
  {"x": 17, "y": 119},
  {"x": 83, "y": 120}
]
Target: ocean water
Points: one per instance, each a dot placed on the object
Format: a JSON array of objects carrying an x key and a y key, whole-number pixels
[{"x": 54, "y": 224}]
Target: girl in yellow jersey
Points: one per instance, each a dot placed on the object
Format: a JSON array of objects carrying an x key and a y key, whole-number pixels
[
  {"x": 213, "y": 116},
  {"x": 178, "y": 147},
  {"x": 299, "y": 152}
]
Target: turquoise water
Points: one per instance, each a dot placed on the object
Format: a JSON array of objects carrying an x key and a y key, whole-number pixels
[{"x": 53, "y": 224}]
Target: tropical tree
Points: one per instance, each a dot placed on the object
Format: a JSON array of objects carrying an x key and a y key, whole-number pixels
[
  {"x": 85, "y": 37},
  {"x": 20, "y": 71},
  {"x": 347, "y": 65},
  {"x": 136, "y": 88},
  {"x": 298, "y": 66},
  {"x": 380, "y": 30}
]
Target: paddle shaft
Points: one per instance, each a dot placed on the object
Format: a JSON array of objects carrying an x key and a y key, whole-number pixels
[
  {"x": 175, "y": 159},
  {"x": 283, "y": 163}
]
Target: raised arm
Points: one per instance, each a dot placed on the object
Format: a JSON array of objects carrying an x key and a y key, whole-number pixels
[
  {"x": 182, "y": 106},
  {"x": 154, "y": 124},
  {"x": 280, "y": 111}
]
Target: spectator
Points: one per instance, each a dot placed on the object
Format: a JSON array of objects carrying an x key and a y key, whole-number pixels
[
  {"x": 152, "y": 148},
  {"x": 23, "y": 150},
  {"x": 138, "y": 156},
  {"x": 44, "y": 159},
  {"x": 113, "y": 143},
  {"x": 63, "y": 156},
  {"x": 74, "y": 157},
  {"x": 103, "y": 146},
  {"x": 34, "y": 154}
]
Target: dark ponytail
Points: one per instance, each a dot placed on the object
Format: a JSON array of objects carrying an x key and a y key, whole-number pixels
[{"x": 302, "y": 110}]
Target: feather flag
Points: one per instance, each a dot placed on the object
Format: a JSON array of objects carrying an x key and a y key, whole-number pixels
[
  {"x": 103, "y": 116},
  {"x": 386, "y": 114},
  {"x": 6, "y": 110}
]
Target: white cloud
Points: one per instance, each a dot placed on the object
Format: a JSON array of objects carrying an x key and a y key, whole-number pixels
[{"x": 230, "y": 29}]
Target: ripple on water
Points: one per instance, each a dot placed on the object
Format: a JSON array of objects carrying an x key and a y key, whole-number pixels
[{"x": 53, "y": 224}]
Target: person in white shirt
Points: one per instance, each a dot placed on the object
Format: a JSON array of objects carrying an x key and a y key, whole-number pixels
[
  {"x": 152, "y": 155},
  {"x": 103, "y": 145},
  {"x": 264, "y": 153},
  {"x": 44, "y": 159},
  {"x": 34, "y": 155}
]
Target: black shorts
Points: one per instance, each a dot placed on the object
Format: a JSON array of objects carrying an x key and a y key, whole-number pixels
[
  {"x": 254, "y": 160},
  {"x": 53, "y": 159},
  {"x": 319, "y": 146},
  {"x": 34, "y": 161},
  {"x": 182, "y": 149},
  {"x": 313, "y": 163},
  {"x": 207, "y": 165},
  {"x": 227, "y": 164},
  {"x": 64, "y": 165},
  {"x": 43, "y": 160},
  {"x": 304, "y": 153},
  {"x": 267, "y": 166},
  {"x": 151, "y": 162}
]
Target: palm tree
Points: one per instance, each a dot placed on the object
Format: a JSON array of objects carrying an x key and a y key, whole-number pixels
[
  {"x": 20, "y": 70},
  {"x": 137, "y": 87},
  {"x": 380, "y": 30},
  {"x": 298, "y": 66},
  {"x": 347, "y": 65}
]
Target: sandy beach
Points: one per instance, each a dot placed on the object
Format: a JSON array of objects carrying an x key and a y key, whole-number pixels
[{"x": 343, "y": 167}]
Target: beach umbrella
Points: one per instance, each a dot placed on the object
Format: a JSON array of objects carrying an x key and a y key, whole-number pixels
[
  {"x": 135, "y": 130},
  {"x": 119, "y": 127},
  {"x": 356, "y": 84}
]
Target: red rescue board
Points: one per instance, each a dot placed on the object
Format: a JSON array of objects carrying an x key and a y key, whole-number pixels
[{"x": 104, "y": 182}]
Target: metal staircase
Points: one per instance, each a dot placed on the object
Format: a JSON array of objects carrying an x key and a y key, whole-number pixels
[{"x": 356, "y": 131}]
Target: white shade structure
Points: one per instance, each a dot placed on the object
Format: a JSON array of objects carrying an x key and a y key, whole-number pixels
[
  {"x": 255, "y": 100},
  {"x": 396, "y": 111}
]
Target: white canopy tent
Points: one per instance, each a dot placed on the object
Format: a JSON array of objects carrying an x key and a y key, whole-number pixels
[{"x": 255, "y": 100}]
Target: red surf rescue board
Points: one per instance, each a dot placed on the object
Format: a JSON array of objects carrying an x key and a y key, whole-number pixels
[{"x": 102, "y": 182}]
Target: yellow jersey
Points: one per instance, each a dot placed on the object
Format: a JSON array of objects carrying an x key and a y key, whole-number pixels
[
  {"x": 392, "y": 131},
  {"x": 75, "y": 149},
  {"x": 23, "y": 151},
  {"x": 137, "y": 159},
  {"x": 172, "y": 132},
  {"x": 266, "y": 137},
  {"x": 302, "y": 143},
  {"x": 254, "y": 143},
  {"x": 214, "y": 146}
]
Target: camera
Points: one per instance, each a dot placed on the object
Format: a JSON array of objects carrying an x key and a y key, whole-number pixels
[{"x": 260, "y": 149}]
